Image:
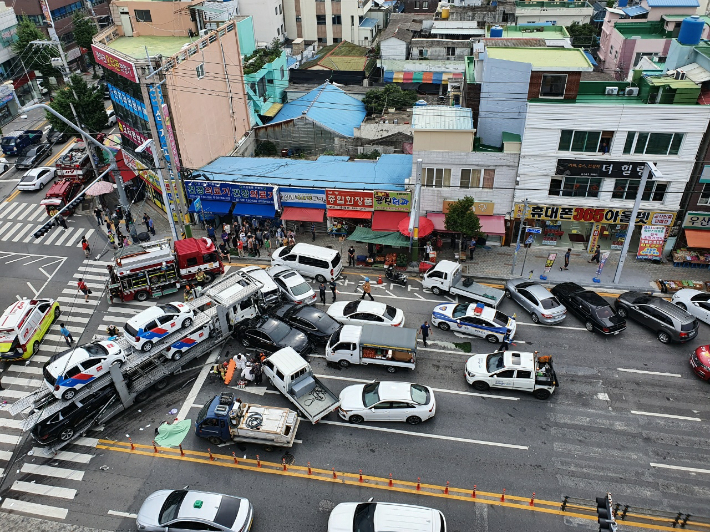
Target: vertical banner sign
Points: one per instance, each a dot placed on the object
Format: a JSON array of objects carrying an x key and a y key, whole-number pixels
[
  {"x": 156, "y": 100},
  {"x": 602, "y": 261},
  {"x": 651, "y": 244},
  {"x": 594, "y": 238},
  {"x": 549, "y": 262}
]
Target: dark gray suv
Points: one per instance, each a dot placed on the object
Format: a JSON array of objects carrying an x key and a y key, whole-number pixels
[{"x": 670, "y": 323}]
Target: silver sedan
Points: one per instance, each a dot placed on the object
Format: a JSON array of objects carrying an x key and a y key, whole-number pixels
[{"x": 537, "y": 300}]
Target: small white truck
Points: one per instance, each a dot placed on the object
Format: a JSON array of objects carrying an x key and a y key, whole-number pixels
[
  {"x": 293, "y": 377},
  {"x": 446, "y": 277},
  {"x": 392, "y": 347},
  {"x": 527, "y": 372}
]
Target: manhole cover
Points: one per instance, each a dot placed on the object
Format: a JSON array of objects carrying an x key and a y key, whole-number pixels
[{"x": 326, "y": 506}]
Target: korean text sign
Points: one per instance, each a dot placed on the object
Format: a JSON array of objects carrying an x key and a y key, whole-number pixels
[
  {"x": 115, "y": 63},
  {"x": 392, "y": 201},
  {"x": 352, "y": 200},
  {"x": 209, "y": 190},
  {"x": 651, "y": 244}
]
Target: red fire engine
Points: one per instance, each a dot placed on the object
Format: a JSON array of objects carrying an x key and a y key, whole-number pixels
[{"x": 59, "y": 194}]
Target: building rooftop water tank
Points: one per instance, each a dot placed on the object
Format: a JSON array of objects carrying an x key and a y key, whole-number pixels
[
  {"x": 622, "y": 3},
  {"x": 691, "y": 30},
  {"x": 496, "y": 31}
]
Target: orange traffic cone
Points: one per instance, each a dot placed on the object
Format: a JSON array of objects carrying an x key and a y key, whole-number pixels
[{"x": 379, "y": 280}]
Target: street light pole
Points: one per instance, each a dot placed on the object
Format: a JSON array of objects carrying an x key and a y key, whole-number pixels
[
  {"x": 520, "y": 231},
  {"x": 414, "y": 217},
  {"x": 168, "y": 208}
]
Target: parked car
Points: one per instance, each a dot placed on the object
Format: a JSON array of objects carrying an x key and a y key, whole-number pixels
[
  {"x": 269, "y": 335},
  {"x": 695, "y": 302},
  {"x": 111, "y": 118},
  {"x": 315, "y": 323},
  {"x": 475, "y": 319},
  {"x": 55, "y": 137},
  {"x": 64, "y": 424},
  {"x": 669, "y": 322},
  {"x": 361, "y": 312},
  {"x": 33, "y": 156},
  {"x": 317, "y": 262},
  {"x": 157, "y": 322},
  {"x": 36, "y": 178},
  {"x": 194, "y": 510},
  {"x": 67, "y": 373},
  {"x": 700, "y": 362},
  {"x": 387, "y": 401},
  {"x": 384, "y": 517},
  {"x": 4, "y": 165},
  {"x": 594, "y": 311},
  {"x": 293, "y": 286},
  {"x": 537, "y": 300}
]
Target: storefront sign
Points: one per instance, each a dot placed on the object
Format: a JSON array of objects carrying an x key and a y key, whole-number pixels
[
  {"x": 651, "y": 244},
  {"x": 351, "y": 200},
  {"x": 582, "y": 214},
  {"x": 115, "y": 63},
  {"x": 393, "y": 201},
  {"x": 584, "y": 168},
  {"x": 6, "y": 93},
  {"x": 127, "y": 102},
  {"x": 208, "y": 190},
  {"x": 697, "y": 220},
  {"x": 131, "y": 134},
  {"x": 483, "y": 208},
  {"x": 302, "y": 197}
]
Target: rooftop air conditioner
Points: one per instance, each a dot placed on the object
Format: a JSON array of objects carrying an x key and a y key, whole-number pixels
[
  {"x": 204, "y": 32},
  {"x": 611, "y": 90},
  {"x": 631, "y": 91},
  {"x": 679, "y": 75}
]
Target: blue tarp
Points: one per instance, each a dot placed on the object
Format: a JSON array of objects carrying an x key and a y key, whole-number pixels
[
  {"x": 252, "y": 209},
  {"x": 213, "y": 207},
  {"x": 591, "y": 58}
]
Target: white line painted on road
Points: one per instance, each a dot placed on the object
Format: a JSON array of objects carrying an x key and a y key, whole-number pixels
[
  {"x": 680, "y": 468},
  {"x": 19, "y": 235},
  {"x": 86, "y": 442},
  {"x": 644, "y": 372},
  {"x": 5, "y": 455},
  {"x": 423, "y": 435},
  {"x": 65, "y": 456},
  {"x": 670, "y": 416},
  {"x": 28, "y": 383},
  {"x": 122, "y": 514},
  {"x": 190, "y": 399},
  {"x": 15, "y": 394},
  {"x": 603, "y": 396},
  {"x": 32, "y": 287},
  {"x": 34, "y": 509},
  {"x": 43, "y": 489},
  {"x": 49, "y": 471},
  {"x": 25, "y": 369},
  {"x": 8, "y": 438},
  {"x": 11, "y": 423}
]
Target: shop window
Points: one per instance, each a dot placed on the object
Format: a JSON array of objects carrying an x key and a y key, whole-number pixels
[
  {"x": 320, "y": 20},
  {"x": 470, "y": 178},
  {"x": 585, "y": 141},
  {"x": 437, "y": 177},
  {"x": 626, "y": 189},
  {"x": 489, "y": 176},
  {"x": 704, "y": 198},
  {"x": 570, "y": 186},
  {"x": 143, "y": 15},
  {"x": 640, "y": 143},
  {"x": 553, "y": 85}
]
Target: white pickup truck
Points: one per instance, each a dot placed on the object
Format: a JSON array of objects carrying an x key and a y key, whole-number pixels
[
  {"x": 446, "y": 277},
  {"x": 294, "y": 378},
  {"x": 527, "y": 372},
  {"x": 392, "y": 347}
]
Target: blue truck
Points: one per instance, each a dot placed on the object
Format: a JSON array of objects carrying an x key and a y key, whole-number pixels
[{"x": 16, "y": 142}]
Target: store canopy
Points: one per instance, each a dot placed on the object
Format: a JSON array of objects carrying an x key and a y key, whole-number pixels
[
  {"x": 344, "y": 213},
  {"x": 252, "y": 209},
  {"x": 697, "y": 238},
  {"x": 387, "y": 221},
  {"x": 302, "y": 214},
  {"x": 492, "y": 225},
  {"x": 367, "y": 235},
  {"x": 426, "y": 227},
  {"x": 213, "y": 207},
  {"x": 438, "y": 219}
]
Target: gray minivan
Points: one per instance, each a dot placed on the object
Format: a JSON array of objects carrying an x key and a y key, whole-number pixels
[{"x": 669, "y": 322}]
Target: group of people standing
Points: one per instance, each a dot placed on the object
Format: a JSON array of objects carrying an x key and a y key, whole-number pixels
[{"x": 248, "y": 238}]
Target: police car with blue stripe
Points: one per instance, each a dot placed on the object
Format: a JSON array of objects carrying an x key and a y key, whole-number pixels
[{"x": 475, "y": 319}]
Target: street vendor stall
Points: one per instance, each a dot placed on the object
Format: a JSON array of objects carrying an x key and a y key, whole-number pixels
[
  {"x": 697, "y": 252},
  {"x": 376, "y": 241}
]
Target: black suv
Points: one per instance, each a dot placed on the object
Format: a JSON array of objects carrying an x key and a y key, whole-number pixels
[
  {"x": 669, "y": 322},
  {"x": 596, "y": 313},
  {"x": 65, "y": 423}
]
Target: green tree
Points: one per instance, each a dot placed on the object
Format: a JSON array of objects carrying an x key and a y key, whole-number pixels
[
  {"x": 462, "y": 219},
  {"x": 84, "y": 31},
  {"x": 583, "y": 34},
  {"x": 88, "y": 103},
  {"x": 35, "y": 57},
  {"x": 391, "y": 96}
]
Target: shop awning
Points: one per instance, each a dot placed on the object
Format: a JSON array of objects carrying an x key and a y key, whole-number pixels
[
  {"x": 438, "y": 219},
  {"x": 213, "y": 207},
  {"x": 492, "y": 225},
  {"x": 302, "y": 214},
  {"x": 367, "y": 235},
  {"x": 253, "y": 209},
  {"x": 697, "y": 238},
  {"x": 387, "y": 221},
  {"x": 344, "y": 213}
]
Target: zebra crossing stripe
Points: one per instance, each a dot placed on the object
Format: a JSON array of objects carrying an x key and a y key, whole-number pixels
[
  {"x": 11, "y": 232},
  {"x": 97, "y": 262},
  {"x": 49, "y": 471},
  {"x": 19, "y": 235},
  {"x": 20, "y": 368},
  {"x": 43, "y": 489},
  {"x": 15, "y": 207},
  {"x": 90, "y": 277},
  {"x": 65, "y": 234},
  {"x": 11, "y": 423},
  {"x": 34, "y": 509},
  {"x": 57, "y": 231},
  {"x": 31, "y": 235},
  {"x": 76, "y": 237},
  {"x": 24, "y": 213},
  {"x": 37, "y": 213},
  {"x": 65, "y": 456},
  {"x": 3, "y": 206},
  {"x": 6, "y": 455},
  {"x": 10, "y": 438}
]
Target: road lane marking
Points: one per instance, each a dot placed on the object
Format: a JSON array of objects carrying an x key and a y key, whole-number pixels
[
  {"x": 8, "y": 438},
  {"x": 681, "y": 468},
  {"x": 34, "y": 509},
  {"x": 65, "y": 456},
  {"x": 7, "y": 235},
  {"x": 670, "y": 416},
  {"x": 199, "y": 381},
  {"x": 644, "y": 372},
  {"x": 122, "y": 514},
  {"x": 55, "y": 472},
  {"x": 43, "y": 489},
  {"x": 19, "y": 235}
]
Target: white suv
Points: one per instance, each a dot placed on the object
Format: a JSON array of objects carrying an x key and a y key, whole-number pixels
[{"x": 155, "y": 323}]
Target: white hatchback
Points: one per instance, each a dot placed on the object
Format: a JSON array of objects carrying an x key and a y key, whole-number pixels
[
  {"x": 36, "y": 178},
  {"x": 155, "y": 323},
  {"x": 387, "y": 401},
  {"x": 360, "y": 312}
]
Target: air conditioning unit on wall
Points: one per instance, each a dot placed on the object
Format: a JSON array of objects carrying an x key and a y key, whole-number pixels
[{"x": 611, "y": 90}]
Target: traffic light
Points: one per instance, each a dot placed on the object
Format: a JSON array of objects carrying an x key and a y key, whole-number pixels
[
  {"x": 44, "y": 229},
  {"x": 74, "y": 203},
  {"x": 605, "y": 514}
]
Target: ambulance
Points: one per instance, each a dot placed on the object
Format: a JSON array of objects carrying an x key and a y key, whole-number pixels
[{"x": 23, "y": 326}]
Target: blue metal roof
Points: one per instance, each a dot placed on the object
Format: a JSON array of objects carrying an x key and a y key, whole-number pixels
[
  {"x": 327, "y": 105},
  {"x": 389, "y": 172},
  {"x": 673, "y": 3},
  {"x": 368, "y": 23},
  {"x": 634, "y": 11},
  {"x": 591, "y": 58}
]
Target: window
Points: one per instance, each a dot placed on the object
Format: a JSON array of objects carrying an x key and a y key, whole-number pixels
[
  {"x": 553, "y": 85},
  {"x": 437, "y": 177},
  {"x": 416, "y": 4},
  {"x": 569, "y": 186},
  {"x": 450, "y": 51},
  {"x": 321, "y": 40},
  {"x": 143, "y": 15},
  {"x": 585, "y": 141},
  {"x": 488, "y": 178},
  {"x": 66, "y": 11},
  {"x": 704, "y": 198},
  {"x": 337, "y": 40},
  {"x": 298, "y": 18},
  {"x": 423, "y": 53},
  {"x": 276, "y": 11},
  {"x": 278, "y": 31},
  {"x": 470, "y": 178},
  {"x": 627, "y": 189},
  {"x": 320, "y": 20},
  {"x": 523, "y": 374},
  {"x": 337, "y": 20},
  {"x": 90, "y": 363},
  {"x": 507, "y": 374},
  {"x": 200, "y": 70},
  {"x": 282, "y": 72},
  {"x": 425, "y": 5},
  {"x": 280, "y": 9},
  {"x": 640, "y": 143}
]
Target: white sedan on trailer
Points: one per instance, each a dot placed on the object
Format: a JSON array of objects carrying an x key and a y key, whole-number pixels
[
  {"x": 697, "y": 303},
  {"x": 360, "y": 312},
  {"x": 387, "y": 401},
  {"x": 475, "y": 319}
]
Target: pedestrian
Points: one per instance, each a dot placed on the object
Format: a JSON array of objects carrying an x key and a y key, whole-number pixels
[
  {"x": 250, "y": 247},
  {"x": 240, "y": 361},
  {"x": 257, "y": 373},
  {"x": 225, "y": 238},
  {"x": 425, "y": 329},
  {"x": 321, "y": 288},
  {"x": 145, "y": 221},
  {"x": 1, "y": 388},
  {"x": 84, "y": 289},
  {"x": 351, "y": 255},
  {"x": 224, "y": 252},
  {"x": 367, "y": 289},
  {"x": 66, "y": 334},
  {"x": 333, "y": 288},
  {"x": 112, "y": 239},
  {"x": 126, "y": 242},
  {"x": 267, "y": 243},
  {"x": 188, "y": 293},
  {"x": 292, "y": 241},
  {"x": 86, "y": 247},
  {"x": 567, "y": 256},
  {"x": 240, "y": 248},
  {"x": 256, "y": 247},
  {"x": 428, "y": 249},
  {"x": 597, "y": 254},
  {"x": 109, "y": 223},
  {"x": 62, "y": 221},
  {"x": 151, "y": 229},
  {"x": 313, "y": 231},
  {"x": 210, "y": 232},
  {"x": 227, "y": 229},
  {"x": 472, "y": 248},
  {"x": 99, "y": 215}
]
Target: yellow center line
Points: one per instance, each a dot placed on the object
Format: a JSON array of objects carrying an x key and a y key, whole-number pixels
[{"x": 12, "y": 196}]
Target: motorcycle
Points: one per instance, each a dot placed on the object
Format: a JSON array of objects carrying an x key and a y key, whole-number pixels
[{"x": 396, "y": 277}]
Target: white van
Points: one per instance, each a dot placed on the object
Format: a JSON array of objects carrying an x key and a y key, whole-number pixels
[
  {"x": 269, "y": 291},
  {"x": 309, "y": 260}
]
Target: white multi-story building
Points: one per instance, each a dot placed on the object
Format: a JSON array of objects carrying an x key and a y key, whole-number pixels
[
  {"x": 330, "y": 21},
  {"x": 8, "y": 35},
  {"x": 268, "y": 19}
]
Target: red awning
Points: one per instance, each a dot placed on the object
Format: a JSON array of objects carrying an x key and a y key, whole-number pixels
[
  {"x": 697, "y": 238},
  {"x": 126, "y": 173},
  {"x": 387, "y": 221},
  {"x": 492, "y": 225},
  {"x": 302, "y": 214},
  {"x": 344, "y": 213},
  {"x": 438, "y": 219}
]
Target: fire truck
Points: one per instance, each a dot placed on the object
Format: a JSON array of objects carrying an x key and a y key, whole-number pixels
[
  {"x": 75, "y": 163},
  {"x": 153, "y": 269},
  {"x": 59, "y": 194}
]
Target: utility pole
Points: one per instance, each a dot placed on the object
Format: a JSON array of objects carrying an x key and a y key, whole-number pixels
[
  {"x": 150, "y": 143},
  {"x": 650, "y": 168},
  {"x": 520, "y": 231},
  {"x": 414, "y": 217}
]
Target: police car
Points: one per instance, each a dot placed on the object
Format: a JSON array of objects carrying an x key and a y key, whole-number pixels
[
  {"x": 155, "y": 323},
  {"x": 475, "y": 319},
  {"x": 176, "y": 350}
]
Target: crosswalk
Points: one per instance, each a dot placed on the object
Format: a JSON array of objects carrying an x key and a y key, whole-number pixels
[{"x": 18, "y": 222}]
